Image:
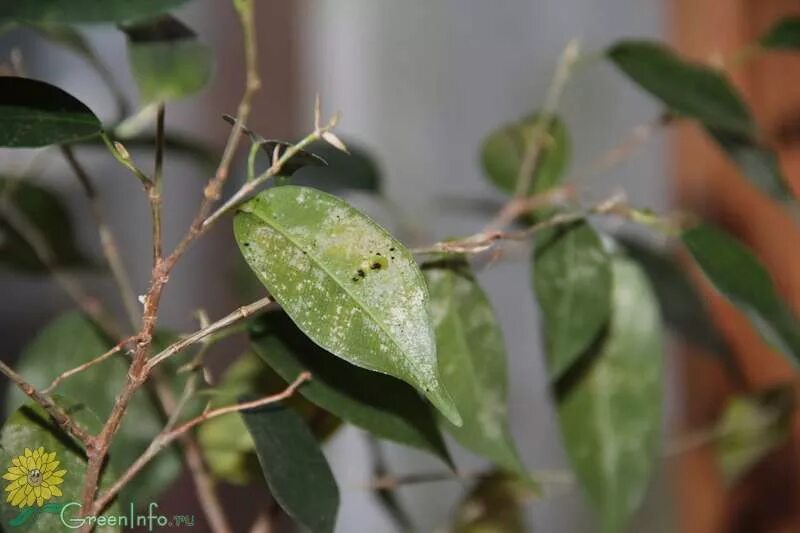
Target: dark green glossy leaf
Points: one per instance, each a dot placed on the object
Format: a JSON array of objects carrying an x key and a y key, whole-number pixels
[
  {"x": 29, "y": 432},
  {"x": 690, "y": 89},
  {"x": 705, "y": 94},
  {"x": 472, "y": 361},
  {"x": 167, "y": 60},
  {"x": 82, "y": 11},
  {"x": 504, "y": 150},
  {"x": 572, "y": 282},
  {"x": 380, "y": 404},
  {"x": 757, "y": 162},
  {"x": 610, "y": 403},
  {"x": 49, "y": 215},
  {"x": 294, "y": 467},
  {"x": 72, "y": 340},
  {"x": 784, "y": 35},
  {"x": 346, "y": 282},
  {"x": 750, "y": 428},
  {"x": 227, "y": 446},
  {"x": 303, "y": 158},
  {"x": 493, "y": 505},
  {"x": 736, "y": 273},
  {"x": 356, "y": 171},
  {"x": 34, "y": 113},
  {"x": 684, "y": 310}
]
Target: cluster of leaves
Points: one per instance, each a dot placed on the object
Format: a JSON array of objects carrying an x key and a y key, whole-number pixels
[{"x": 406, "y": 352}]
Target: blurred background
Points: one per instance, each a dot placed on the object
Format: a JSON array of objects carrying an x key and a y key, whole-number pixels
[{"x": 419, "y": 84}]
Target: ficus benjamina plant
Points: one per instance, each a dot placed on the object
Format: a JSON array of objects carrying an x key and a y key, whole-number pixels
[{"x": 353, "y": 326}]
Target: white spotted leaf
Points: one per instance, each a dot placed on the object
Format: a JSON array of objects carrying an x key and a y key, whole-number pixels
[
  {"x": 472, "y": 361},
  {"x": 610, "y": 403},
  {"x": 348, "y": 284}
]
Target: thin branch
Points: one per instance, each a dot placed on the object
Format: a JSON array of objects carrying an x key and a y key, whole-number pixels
[
  {"x": 232, "y": 318},
  {"x": 90, "y": 305},
  {"x": 484, "y": 240},
  {"x": 528, "y": 165},
  {"x": 88, "y": 364},
  {"x": 108, "y": 242},
  {"x": 164, "y": 439},
  {"x": 121, "y": 154},
  {"x": 154, "y": 193},
  {"x": 250, "y": 186},
  {"x": 58, "y": 414}
]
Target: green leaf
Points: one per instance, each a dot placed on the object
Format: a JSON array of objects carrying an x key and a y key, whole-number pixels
[
  {"x": 572, "y": 283},
  {"x": 29, "y": 430},
  {"x": 494, "y": 505},
  {"x": 738, "y": 275},
  {"x": 356, "y": 171},
  {"x": 784, "y": 35},
  {"x": 34, "y": 113},
  {"x": 346, "y": 283},
  {"x": 167, "y": 60},
  {"x": 705, "y": 94},
  {"x": 472, "y": 361},
  {"x": 689, "y": 89},
  {"x": 72, "y": 340},
  {"x": 226, "y": 444},
  {"x": 610, "y": 404},
  {"x": 294, "y": 467},
  {"x": 750, "y": 428},
  {"x": 45, "y": 211},
  {"x": 380, "y": 404},
  {"x": 758, "y": 163},
  {"x": 504, "y": 150},
  {"x": 684, "y": 310},
  {"x": 84, "y": 11}
]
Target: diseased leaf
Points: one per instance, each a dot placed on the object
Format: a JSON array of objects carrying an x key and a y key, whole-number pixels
[
  {"x": 750, "y": 428},
  {"x": 72, "y": 340},
  {"x": 504, "y": 150},
  {"x": 610, "y": 404},
  {"x": 30, "y": 432},
  {"x": 346, "y": 283},
  {"x": 167, "y": 60},
  {"x": 34, "y": 113},
  {"x": 783, "y": 35},
  {"x": 380, "y": 404},
  {"x": 572, "y": 283},
  {"x": 42, "y": 208},
  {"x": 690, "y": 89},
  {"x": 82, "y": 11},
  {"x": 294, "y": 467},
  {"x": 738, "y": 275},
  {"x": 472, "y": 361},
  {"x": 227, "y": 446},
  {"x": 705, "y": 94},
  {"x": 493, "y": 505},
  {"x": 354, "y": 171}
]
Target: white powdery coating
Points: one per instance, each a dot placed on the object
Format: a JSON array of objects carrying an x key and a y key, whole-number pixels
[{"x": 346, "y": 282}]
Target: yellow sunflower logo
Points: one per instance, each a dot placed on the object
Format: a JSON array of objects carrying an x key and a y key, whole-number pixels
[{"x": 34, "y": 478}]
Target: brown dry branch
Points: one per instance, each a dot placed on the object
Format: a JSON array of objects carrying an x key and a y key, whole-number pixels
[{"x": 168, "y": 436}]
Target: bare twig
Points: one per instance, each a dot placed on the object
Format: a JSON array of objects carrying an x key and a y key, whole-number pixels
[
  {"x": 540, "y": 129},
  {"x": 232, "y": 318},
  {"x": 80, "y": 368},
  {"x": 64, "y": 421},
  {"x": 164, "y": 439},
  {"x": 37, "y": 241},
  {"x": 107, "y": 240},
  {"x": 154, "y": 192}
]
